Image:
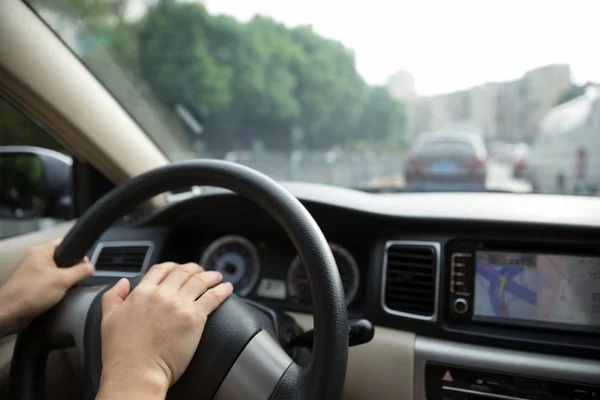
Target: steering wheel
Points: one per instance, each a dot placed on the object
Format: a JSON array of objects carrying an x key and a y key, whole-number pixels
[{"x": 237, "y": 356}]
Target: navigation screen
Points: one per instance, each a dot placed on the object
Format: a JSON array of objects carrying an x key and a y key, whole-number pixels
[{"x": 538, "y": 287}]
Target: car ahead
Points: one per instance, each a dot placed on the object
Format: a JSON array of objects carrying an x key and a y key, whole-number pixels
[
  {"x": 565, "y": 156},
  {"x": 447, "y": 161}
]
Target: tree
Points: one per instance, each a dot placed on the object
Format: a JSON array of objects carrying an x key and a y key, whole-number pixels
[
  {"x": 250, "y": 82},
  {"x": 264, "y": 104},
  {"x": 383, "y": 118},
  {"x": 175, "y": 57},
  {"x": 330, "y": 90}
]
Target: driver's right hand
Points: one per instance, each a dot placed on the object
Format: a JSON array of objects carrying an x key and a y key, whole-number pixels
[{"x": 150, "y": 335}]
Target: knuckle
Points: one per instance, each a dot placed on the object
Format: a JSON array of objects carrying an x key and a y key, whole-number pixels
[
  {"x": 175, "y": 306},
  {"x": 211, "y": 296},
  {"x": 141, "y": 291},
  {"x": 156, "y": 296},
  {"x": 201, "y": 282},
  {"x": 159, "y": 267},
  {"x": 186, "y": 268},
  {"x": 187, "y": 317}
]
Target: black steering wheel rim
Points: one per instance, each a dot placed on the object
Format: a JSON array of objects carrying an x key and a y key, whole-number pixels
[{"x": 324, "y": 376}]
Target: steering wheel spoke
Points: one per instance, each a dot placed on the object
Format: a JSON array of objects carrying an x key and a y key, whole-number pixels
[
  {"x": 257, "y": 370},
  {"x": 66, "y": 327}
]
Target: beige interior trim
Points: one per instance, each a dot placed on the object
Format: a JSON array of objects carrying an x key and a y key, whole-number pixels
[
  {"x": 42, "y": 75},
  {"x": 381, "y": 369}
]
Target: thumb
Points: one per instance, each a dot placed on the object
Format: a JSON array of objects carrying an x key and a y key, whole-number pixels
[
  {"x": 115, "y": 296},
  {"x": 77, "y": 273}
]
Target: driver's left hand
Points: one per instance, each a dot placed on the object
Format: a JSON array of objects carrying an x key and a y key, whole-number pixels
[{"x": 36, "y": 285}]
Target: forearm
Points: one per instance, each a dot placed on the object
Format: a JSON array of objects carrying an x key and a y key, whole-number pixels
[
  {"x": 10, "y": 319},
  {"x": 122, "y": 386}
]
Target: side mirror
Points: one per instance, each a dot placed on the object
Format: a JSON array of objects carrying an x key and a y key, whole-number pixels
[{"x": 34, "y": 183}]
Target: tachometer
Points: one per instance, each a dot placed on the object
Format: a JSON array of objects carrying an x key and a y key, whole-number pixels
[
  {"x": 237, "y": 259},
  {"x": 297, "y": 279}
]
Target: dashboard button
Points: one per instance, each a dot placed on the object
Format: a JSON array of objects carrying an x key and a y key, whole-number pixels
[{"x": 460, "y": 306}]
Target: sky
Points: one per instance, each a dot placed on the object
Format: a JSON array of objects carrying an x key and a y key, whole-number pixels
[{"x": 447, "y": 45}]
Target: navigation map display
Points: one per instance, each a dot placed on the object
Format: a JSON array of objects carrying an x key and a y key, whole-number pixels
[{"x": 538, "y": 287}]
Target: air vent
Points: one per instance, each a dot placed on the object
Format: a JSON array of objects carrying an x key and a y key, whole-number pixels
[
  {"x": 121, "y": 258},
  {"x": 410, "y": 279}
]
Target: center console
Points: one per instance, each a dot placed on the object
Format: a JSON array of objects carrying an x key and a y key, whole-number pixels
[
  {"x": 447, "y": 370},
  {"x": 510, "y": 304},
  {"x": 448, "y": 382},
  {"x": 533, "y": 287}
]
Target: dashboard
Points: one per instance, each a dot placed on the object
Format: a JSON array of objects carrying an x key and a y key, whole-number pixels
[{"x": 516, "y": 272}]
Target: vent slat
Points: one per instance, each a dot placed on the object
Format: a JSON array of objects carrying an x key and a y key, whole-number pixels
[
  {"x": 126, "y": 259},
  {"x": 410, "y": 279},
  {"x": 405, "y": 264}
]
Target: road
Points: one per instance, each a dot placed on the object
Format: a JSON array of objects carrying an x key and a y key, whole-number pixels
[
  {"x": 500, "y": 177},
  {"x": 376, "y": 172}
]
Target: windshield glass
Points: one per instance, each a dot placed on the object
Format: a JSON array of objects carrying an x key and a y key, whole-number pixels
[{"x": 338, "y": 93}]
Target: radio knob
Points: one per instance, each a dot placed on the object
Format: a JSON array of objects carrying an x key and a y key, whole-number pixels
[{"x": 460, "y": 306}]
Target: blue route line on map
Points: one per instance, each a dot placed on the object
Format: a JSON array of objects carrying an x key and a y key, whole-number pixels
[{"x": 523, "y": 293}]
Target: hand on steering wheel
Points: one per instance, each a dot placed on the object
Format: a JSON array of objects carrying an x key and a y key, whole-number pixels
[
  {"x": 36, "y": 285},
  {"x": 150, "y": 335},
  {"x": 239, "y": 355}
]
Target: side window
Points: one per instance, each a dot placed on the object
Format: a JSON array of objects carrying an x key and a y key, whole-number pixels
[{"x": 35, "y": 175}]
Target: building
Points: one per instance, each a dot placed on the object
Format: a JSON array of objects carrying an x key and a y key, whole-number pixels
[
  {"x": 504, "y": 110},
  {"x": 401, "y": 86},
  {"x": 521, "y": 104},
  {"x": 473, "y": 110}
]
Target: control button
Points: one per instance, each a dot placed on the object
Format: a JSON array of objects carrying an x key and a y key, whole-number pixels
[{"x": 460, "y": 306}]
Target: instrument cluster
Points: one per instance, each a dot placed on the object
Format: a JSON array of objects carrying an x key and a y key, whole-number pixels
[{"x": 249, "y": 267}]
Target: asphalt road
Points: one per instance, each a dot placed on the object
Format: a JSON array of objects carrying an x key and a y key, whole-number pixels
[{"x": 499, "y": 177}]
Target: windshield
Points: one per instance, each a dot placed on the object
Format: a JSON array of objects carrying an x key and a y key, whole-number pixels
[{"x": 338, "y": 93}]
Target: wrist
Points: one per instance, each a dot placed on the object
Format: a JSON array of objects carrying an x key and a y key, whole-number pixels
[
  {"x": 132, "y": 386},
  {"x": 11, "y": 320}
]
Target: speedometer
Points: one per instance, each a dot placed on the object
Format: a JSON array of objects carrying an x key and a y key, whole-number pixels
[
  {"x": 237, "y": 259},
  {"x": 297, "y": 280}
]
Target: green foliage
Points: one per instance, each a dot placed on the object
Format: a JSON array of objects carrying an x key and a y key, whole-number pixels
[
  {"x": 175, "y": 58},
  {"x": 383, "y": 117},
  {"x": 257, "y": 81}
]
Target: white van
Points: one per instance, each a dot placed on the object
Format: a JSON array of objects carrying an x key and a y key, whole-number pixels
[{"x": 565, "y": 156}]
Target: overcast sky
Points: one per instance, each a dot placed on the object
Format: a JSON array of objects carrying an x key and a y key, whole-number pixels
[{"x": 447, "y": 44}]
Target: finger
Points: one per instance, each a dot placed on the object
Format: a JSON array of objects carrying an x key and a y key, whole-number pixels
[
  {"x": 199, "y": 283},
  {"x": 78, "y": 272},
  {"x": 212, "y": 298},
  {"x": 115, "y": 296},
  {"x": 157, "y": 274},
  {"x": 179, "y": 276}
]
